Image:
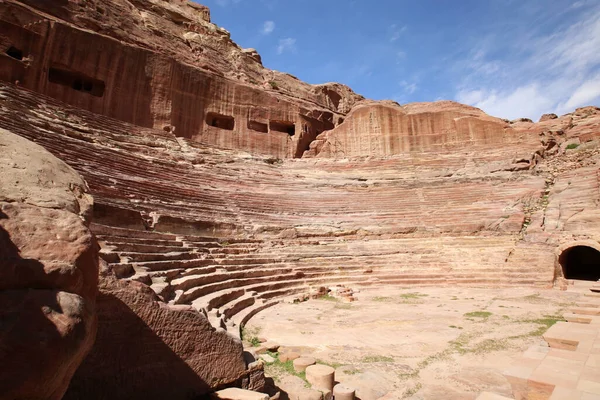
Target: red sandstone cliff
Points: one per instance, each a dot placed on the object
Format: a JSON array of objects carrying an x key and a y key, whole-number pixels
[
  {"x": 162, "y": 64},
  {"x": 384, "y": 129}
]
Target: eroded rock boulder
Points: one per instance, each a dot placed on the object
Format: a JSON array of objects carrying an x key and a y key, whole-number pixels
[
  {"x": 148, "y": 349},
  {"x": 48, "y": 271},
  {"x": 548, "y": 117}
]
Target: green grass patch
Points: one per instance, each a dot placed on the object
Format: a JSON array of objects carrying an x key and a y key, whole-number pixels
[
  {"x": 459, "y": 345},
  {"x": 327, "y": 297},
  {"x": 533, "y": 297},
  {"x": 273, "y": 354},
  {"x": 413, "y": 295},
  {"x": 544, "y": 324},
  {"x": 278, "y": 369},
  {"x": 442, "y": 355},
  {"x": 489, "y": 345},
  {"x": 572, "y": 146},
  {"x": 412, "y": 391},
  {"x": 332, "y": 364},
  {"x": 462, "y": 345},
  {"x": 478, "y": 314},
  {"x": 250, "y": 336},
  {"x": 352, "y": 371},
  {"x": 345, "y": 306},
  {"x": 382, "y": 299},
  {"x": 408, "y": 375},
  {"x": 455, "y": 346},
  {"x": 375, "y": 359},
  {"x": 547, "y": 320}
]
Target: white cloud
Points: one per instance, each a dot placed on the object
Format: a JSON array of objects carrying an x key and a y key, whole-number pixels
[
  {"x": 574, "y": 50},
  {"x": 268, "y": 27},
  {"x": 478, "y": 63},
  {"x": 286, "y": 44},
  {"x": 584, "y": 95},
  {"x": 400, "y": 56},
  {"x": 521, "y": 102},
  {"x": 395, "y": 32},
  {"x": 470, "y": 96},
  {"x": 535, "y": 74},
  {"x": 409, "y": 87}
]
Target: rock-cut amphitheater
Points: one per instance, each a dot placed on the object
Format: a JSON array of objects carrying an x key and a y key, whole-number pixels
[{"x": 160, "y": 189}]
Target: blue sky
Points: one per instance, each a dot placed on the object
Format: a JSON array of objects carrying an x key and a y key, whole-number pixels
[{"x": 511, "y": 58}]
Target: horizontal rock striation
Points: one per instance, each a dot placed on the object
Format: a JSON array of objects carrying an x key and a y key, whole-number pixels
[{"x": 231, "y": 233}]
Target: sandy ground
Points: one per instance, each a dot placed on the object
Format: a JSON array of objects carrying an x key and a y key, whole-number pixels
[{"x": 419, "y": 343}]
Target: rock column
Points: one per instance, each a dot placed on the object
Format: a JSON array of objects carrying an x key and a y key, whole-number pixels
[
  {"x": 343, "y": 392},
  {"x": 320, "y": 376}
]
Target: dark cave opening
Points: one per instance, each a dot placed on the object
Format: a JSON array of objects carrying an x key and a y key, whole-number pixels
[
  {"x": 258, "y": 126},
  {"x": 580, "y": 262},
  {"x": 76, "y": 81},
  {"x": 283, "y": 126},
  {"x": 14, "y": 53},
  {"x": 220, "y": 121}
]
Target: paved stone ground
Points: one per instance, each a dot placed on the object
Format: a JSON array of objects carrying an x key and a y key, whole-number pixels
[{"x": 419, "y": 343}]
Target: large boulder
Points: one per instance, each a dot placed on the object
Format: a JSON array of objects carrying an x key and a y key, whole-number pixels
[
  {"x": 151, "y": 350},
  {"x": 48, "y": 271}
]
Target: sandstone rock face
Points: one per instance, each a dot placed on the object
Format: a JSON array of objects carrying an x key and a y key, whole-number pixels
[
  {"x": 380, "y": 129},
  {"x": 48, "y": 271},
  {"x": 159, "y": 351},
  {"x": 230, "y": 233},
  {"x": 164, "y": 65}
]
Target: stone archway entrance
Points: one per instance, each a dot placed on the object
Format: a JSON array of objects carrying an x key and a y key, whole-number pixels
[{"x": 580, "y": 262}]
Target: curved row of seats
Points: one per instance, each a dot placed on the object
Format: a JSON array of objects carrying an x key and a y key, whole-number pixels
[
  {"x": 419, "y": 219},
  {"x": 231, "y": 281}
]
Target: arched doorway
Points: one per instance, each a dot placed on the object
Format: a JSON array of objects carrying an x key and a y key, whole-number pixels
[{"x": 580, "y": 262}]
